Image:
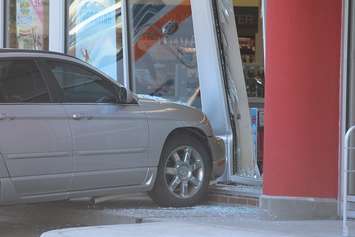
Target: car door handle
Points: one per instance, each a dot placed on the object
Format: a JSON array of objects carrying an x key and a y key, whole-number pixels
[
  {"x": 80, "y": 117},
  {"x": 77, "y": 116}
]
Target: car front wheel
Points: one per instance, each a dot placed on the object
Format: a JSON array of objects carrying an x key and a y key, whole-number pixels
[{"x": 183, "y": 173}]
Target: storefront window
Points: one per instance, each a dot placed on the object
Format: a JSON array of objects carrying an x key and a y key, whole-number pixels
[
  {"x": 27, "y": 24},
  {"x": 163, "y": 50},
  {"x": 95, "y": 34}
]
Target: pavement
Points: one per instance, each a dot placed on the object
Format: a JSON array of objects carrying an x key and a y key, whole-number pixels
[
  {"x": 157, "y": 230},
  {"x": 179, "y": 229},
  {"x": 139, "y": 216}
]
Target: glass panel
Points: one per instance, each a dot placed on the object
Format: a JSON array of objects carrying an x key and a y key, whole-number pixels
[
  {"x": 27, "y": 24},
  {"x": 250, "y": 33},
  {"x": 249, "y": 21},
  {"x": 95, "y": 34},
  {"x": 163, "y": 50},
  {"x": 245, "y": 161},
  {"x": 21, "y": 82},
  {"x": 81, "y": 86}
]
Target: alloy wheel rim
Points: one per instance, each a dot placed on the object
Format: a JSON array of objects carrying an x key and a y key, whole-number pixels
[{"x": 184, "y": 172}]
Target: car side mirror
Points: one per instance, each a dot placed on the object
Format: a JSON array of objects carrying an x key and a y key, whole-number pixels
[{"x": 122, "y": 95}]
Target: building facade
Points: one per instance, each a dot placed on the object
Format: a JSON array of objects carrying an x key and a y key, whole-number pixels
[{"x": 304, "y": 46}]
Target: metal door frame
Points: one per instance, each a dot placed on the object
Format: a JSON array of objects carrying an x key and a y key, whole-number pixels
[
  {"x": 213, "y": 88},
  {"x": 347, "y": 11},
  {"x": 2, "y": 24},
  {"x": 57, "y": 27}
]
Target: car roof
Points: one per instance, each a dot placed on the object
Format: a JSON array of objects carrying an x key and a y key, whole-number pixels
[
  {"x": 28, "y": 53},
  {"x": 13, "y": 53},
  {"x": 33, "y": 53},
  {"x": 9, "y": 50}
]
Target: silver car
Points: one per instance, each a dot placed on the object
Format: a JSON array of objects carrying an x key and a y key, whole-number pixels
[{"x": 68, "y": 131}]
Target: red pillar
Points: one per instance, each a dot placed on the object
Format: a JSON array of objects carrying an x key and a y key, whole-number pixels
[{"x": 302, "y": 98}]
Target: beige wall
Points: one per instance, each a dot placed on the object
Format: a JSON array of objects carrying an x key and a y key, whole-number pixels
[{"x": 247, "y": 3}]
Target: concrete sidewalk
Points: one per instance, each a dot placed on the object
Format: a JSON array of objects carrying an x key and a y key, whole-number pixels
[
  {"x": 204, "y": 221},
  {"x": 167, "y": 229},
  {"x": 183, "y": 229},
  {"x": 120, "y": 217}
]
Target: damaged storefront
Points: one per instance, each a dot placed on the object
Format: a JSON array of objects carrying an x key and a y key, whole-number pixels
[
  {"x": 159, "y": 48},
  {"x": 212, "y": 55}
]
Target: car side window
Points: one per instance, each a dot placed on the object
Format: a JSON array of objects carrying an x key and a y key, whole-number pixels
[
  {"x": 22, "y": 82},
  {"x": 80, "y": 85}
]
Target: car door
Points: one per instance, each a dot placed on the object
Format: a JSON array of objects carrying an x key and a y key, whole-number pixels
[
  {"x": 110, "y": 140},
  {"x": 35, "y": 139}
]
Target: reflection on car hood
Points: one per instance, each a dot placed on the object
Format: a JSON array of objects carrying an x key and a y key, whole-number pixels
[
  {"x": 162, "y": 100},
  {"x": 152, "y": 98},
  {"x": 163, "y": 108}
]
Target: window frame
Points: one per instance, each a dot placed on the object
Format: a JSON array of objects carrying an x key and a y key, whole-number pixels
[
  {"x": 59, "y": 92},
  {"x": 2, "y": 24},
  {"x": 4, "y": 28},
  {"x": 43, "y": 76}
]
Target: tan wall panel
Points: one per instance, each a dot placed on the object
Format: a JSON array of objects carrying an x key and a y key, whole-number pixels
[{"x": 246, "y": 3}]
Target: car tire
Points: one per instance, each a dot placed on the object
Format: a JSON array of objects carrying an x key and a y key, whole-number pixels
[{"x": 183, "y": 174}]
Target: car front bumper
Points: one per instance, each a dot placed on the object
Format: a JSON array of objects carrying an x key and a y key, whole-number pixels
[{"x": 218, "y": 153}]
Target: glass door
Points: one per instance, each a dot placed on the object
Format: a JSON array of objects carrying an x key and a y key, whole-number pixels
[{"x": 240, "y": 28}]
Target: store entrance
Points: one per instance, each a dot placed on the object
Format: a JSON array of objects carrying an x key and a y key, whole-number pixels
[
  {"x": 249, "y": 22},
  {"x": 242, "y": 30}
]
